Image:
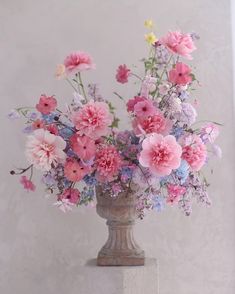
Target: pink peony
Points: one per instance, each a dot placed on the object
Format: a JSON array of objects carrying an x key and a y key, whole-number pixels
[
  {"x": 73, "y": 195},
  {"x": 144, "y": 108},
  {"x": 179, "y": 43},
  {"x": 174, "y": 193},
  {"x": 77, "y": 62},
  {"x": 27, "y": 184},
  {"x": 156, "y": 123},
  {"x": 46, "y": 104},
  {"x": 122, "y": 74},
  {"x": 44, "y": 149},
  {"x": 83, "y": 146},
  {"x": 108, "y": 163},
  {"x": 194, "y": 152},
  {"x": 180, "y": 75},
  {"x": 160, "y": 154},
  {"x": 75, "y": 171},
  {"x": 38, "y": 124},
  {"x": 132, "y": 102},
  {"x": 209, "y": 133},
  {"x": 93, "y": 119}
]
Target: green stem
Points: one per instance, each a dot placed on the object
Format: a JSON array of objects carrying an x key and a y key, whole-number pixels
[
  {"x": 71, "y": 84},
  {"x": 81, "y": 84}
]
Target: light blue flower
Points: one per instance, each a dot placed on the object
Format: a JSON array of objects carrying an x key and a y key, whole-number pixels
[
  {"x": 183, "y": 171},
  {"x": 158, "y": 203}
]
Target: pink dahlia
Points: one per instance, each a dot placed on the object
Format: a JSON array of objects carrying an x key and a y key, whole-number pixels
[
  {"x": 156, "y": 123},
  {"x": 181, "y": 74},
  {"x": 46, "y": 104},
  {"x": 122, "y": 74},
  {"x": 144, "y": 108},
  {"x": 174, "y": 193},
  {"x": 160, "y": 154},
  {"x": 132, "y": 102},
  {"x": 93, "y": 119},
  {"x": 73, "y": 195},
  {"x": 44, "y": 149},
  {"x": 27, "y": 184},
  {"x": 179, "y": 43},
  {"x": 194, "y": 152},
  {"x": 78, "y": 61},
  {"x": 75, "y": 171},
  {"x": 108, "y": 163},
  {"x": 83, "y": 146}
]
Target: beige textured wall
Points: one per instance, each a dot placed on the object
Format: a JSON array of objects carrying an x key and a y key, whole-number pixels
[{"x": 39, "y": 246}]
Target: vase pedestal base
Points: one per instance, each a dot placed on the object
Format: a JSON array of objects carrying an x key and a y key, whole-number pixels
[{"x": 135, "y": 260}]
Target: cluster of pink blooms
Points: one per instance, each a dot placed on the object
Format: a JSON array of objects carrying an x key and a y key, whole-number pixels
[{"x": 162, "y": 153}]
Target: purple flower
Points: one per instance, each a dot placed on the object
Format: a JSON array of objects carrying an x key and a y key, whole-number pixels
[{"x": 13, "y": 114}]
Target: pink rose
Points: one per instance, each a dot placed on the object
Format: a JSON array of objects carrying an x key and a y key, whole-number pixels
[
  {"x": 83, "y": 146},
  {"x": 122, "y": 74},
  {"x": 78, "y": 61},
  {"x": 160, "y": 154},
  {"x": 179, "y": 43},
  {"x": 180, "y": 75},
  {"x": 46, "y": 104}
]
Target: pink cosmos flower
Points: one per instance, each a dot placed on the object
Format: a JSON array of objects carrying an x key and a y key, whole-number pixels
[
  {"x": 209, "y": 132},
  {"x": 194, "y": 152},
  {"x": 122, "y": 74},
  {"x": 44, "y": 149},
  {"x": 93, "y": 119},
  {"x": 160, "y": 154},
  {"x": 156, "y": 123},
  {"x": 174, "y": 193},
  {"x": 179, "y": 43},
  {"x": 27, "y": 184},
  {"x": 38, "y": 124},
  {"x": 53, "y": 129},
  {"x": 180, "y": 75},
  {"x": 132, "y": 102},
  {"x": 78, "y": 61},
  {"x": 108, "y": 163},
  {"x": 144, "y": 108},
  {"x": 75, "y": 171},
  {"x": 73, "y": 195},
  {"x": 83, "y": 146},
  {"x": 46, "y": 104}
]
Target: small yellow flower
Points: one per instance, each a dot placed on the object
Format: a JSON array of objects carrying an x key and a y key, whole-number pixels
[
  {"x": 60, "y": 71},
  {"x": 150, "y": 38},
  {"x": 148, "y": 24}
]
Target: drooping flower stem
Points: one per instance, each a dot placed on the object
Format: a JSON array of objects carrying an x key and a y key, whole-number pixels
[
  {"x": 71, "y": 84},
  {"x": 82, "y": 86}
]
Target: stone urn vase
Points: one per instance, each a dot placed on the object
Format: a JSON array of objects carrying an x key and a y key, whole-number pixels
[{"x": 120, "y": 213}]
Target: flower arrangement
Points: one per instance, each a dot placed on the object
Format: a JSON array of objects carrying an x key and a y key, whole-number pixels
[{"x": 163, "y": 152}]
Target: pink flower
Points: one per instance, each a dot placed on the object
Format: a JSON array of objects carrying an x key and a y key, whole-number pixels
[
  {"x": 180, "y": 75},
  {"x": 75, "y": 171},
  {"x": 93, "y": 119},
  {"x": 174, "y": 193},
  {"x": 156, "y": 123},
  {"x": 53, "y": 129},
  {"x": 144, "y": 108},
  {"x": 209, "y": 133},
  {"x": 83, "y": 146},
  {"x": 77, "y": 62},
  {"x": 64, "y": 205},
  {"x": 194, "y": 152},
  {"x": 108, "y": 163},
  {"x": 27, "y": 184},
  {"x": 132, "y": 102},
  {"x": 44, "y": 149},
  {"x": 38, "y": 124},
  {"x": 46, "y": 104},
  {"x": 122, "y": 74},
  {"x": 160, "y": 154},
  {"x": 179, "y": 43},
  {"x": 73, "y": 195}
]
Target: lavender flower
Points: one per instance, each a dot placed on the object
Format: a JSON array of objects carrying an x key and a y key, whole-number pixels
[
  {"x": 187, "y": 115},
  {"x": 13, "y": 114}
]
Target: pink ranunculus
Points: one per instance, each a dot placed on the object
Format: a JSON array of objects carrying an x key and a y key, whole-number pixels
[
  {"x": 156, "y": 123},
  {"x": 160, "y": 154},
  {"x": 122, "y": 74},
  {"x": 83, "y": 146},
  {"x": 209, "y": 133},
  {"x": 133, "y": 101},
  {"x": 144, "y": 108},
  {"x": 108, "y": 163},
  {"x": 44, "y": 149},
  {"x": 53, "y": 129},
  {"x": 75, "y": 171},
  {"x": 47, "y": 104},
  {"x": 93, "y": 119},
  {"x": 194, "y": 152},
  {"x": 38, "y": 124},
  {"x": 180, "y": 75},
  {"x": 73, "y": 195},
  {"x": 77, "y": 62},
  {"x": 174, "y": 193},
  {"x": 179, "y": 43},
  {"x": 27, "y": 184}
]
